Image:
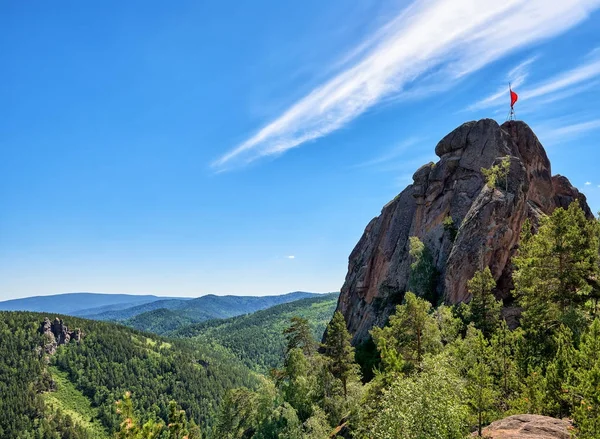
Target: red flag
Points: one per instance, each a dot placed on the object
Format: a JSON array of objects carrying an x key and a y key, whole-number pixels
[{"x": 513, "y": 98}]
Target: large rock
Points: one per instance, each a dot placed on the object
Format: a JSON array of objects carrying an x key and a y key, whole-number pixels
[
  {"x": 528, "y": 427},
  {"x": 56, "y": 333},
  {"x": 487, "y": 221}
]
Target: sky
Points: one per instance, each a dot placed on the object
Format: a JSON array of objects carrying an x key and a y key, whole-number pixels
[{"x": 227, "y": 147}]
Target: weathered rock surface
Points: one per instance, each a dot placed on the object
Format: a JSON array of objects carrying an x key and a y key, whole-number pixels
[
  {"x": 487, "y": 221},
  {"x": 528, "y": 427},
  {"x": 56, "y": 333}
]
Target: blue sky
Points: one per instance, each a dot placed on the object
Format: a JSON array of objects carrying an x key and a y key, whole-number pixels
[{"x": 184, "y": 148}]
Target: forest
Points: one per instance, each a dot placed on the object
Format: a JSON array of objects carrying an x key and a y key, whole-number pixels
[{"x": 433, "y": 371}]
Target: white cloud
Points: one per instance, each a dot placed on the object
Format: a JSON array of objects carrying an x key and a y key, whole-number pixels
[
  {"x": 394, "y": 153},
  {"x": 516, "y": 77},
  {"x": 574, "y": 129},
  {"x": 451, "y": 38},
  {"x": 561, "y": 82},
  {"x": 587, "y": 183},
  {"x": 291, "y": 257}
]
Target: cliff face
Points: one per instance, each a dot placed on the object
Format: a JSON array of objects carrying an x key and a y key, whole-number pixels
[
  {"x": 486, "y": 221},
  {"x": 56, "y": 333}
]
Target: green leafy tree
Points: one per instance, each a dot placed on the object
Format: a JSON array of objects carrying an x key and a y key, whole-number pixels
[
  {"x": 340, "y": 352},
  {"x": 412, "y": 331},
  {"x": 428, "y": 404},
  {"x": 484, "y": 309},
  {"x": 423, "y": 273}
]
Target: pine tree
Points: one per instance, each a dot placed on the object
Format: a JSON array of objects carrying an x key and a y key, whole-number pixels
[
  {"x": 558, "y": 374},
  {"x": 481, "y": 392},
  {"x": 484, "y": 309},
  {"x": 587, "y": 387},
  {"x": 504, "y": 344},
  {"x": 299, "y": 335},
  {"x": 412, "y": 331},
  {"x": 555, "y": 267},
  {"x": 340, "y": 352}
]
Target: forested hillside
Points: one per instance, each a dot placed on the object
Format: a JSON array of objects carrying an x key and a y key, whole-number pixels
[
  {"x": 257, "y": 339},
  {"x": 447, "y": 372},
  {"x": 442, "y": 372},
  {"x": 75, "y": 394}
]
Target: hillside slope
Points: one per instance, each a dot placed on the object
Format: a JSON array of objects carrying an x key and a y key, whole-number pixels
[
  {"x": 110, "y": 360},
  {"x": 257, "y": 339}
]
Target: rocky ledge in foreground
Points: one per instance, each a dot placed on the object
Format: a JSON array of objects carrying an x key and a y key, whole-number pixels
[
  {"x": 528, "y": 427},
  {"x": 464, "y": 223}
]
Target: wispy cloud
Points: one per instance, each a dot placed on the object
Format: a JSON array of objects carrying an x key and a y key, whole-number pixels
[
  {"x": 390, "y": 155},
  {"x": 451, "y": 38},
  {"x": 516, "y": 77},
  {"x": 588, "y": 183},
  {"x": 291, "y": 257},
  {"x": 555, "y": 132},
  {"x": 558, "y": 87},
  {"x": 577, "y": 128}
]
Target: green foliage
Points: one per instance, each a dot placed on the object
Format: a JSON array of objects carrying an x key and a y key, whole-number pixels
[
  {"x": 110, "y": 360},
  {"x": 450, "y": 227},
  {"x": 428, "y": 404},
  {"x": 484, "y": 309},
  {"x": 257, "y": 339},
  {"x": 497, "y": 174},
  {"x": 411, "y": 333},
  {"x": 555, "y": 270},
  {"x": 423, "y": 272},
  {"x": 482, "y": 394},
  {"x": 339, "y": 351},
  {"x": 587, "y": 384}
]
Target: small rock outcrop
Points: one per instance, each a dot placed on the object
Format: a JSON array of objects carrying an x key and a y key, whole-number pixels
[
  {"x": 463, "y": 223},
  {"x": 528, "y": 427},
  {"x": 56, "y": 333}
]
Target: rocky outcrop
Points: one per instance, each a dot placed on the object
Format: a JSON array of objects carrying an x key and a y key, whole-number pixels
[
  {"x": 56, "y": 333},
  {"x": 528, "y": 427},
  {"x": 464, "y": 223}
]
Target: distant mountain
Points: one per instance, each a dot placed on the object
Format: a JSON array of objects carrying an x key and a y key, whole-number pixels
[
  {"x": 77, "y": 303},
  {"x": 168, "y": 315},
  {"x": 257, "y": 339}
]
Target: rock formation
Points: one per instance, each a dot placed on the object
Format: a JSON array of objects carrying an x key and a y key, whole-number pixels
[
  {"x": 56, "y": 333},
  {"x": 464, "y": 223},
  {"x": 528, "y": 427}
]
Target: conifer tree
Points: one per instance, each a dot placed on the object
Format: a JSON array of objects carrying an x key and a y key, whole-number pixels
[
  {"x": 340, "y": 352},
  {"x": 558, "y": 374},
  {"x": 504, "y": 344},
  {"x": 587, "y": 387},
  {"x": 299, "y": 335},
  {"x": 555, "y": 269},
  {"x": 412, "y": 331},
  {"x": 484, "y": 309},
  {"x": 481, "y": 392}
]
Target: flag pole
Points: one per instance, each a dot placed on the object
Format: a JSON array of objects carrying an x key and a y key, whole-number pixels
[{"x": 512, "y": 108}]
